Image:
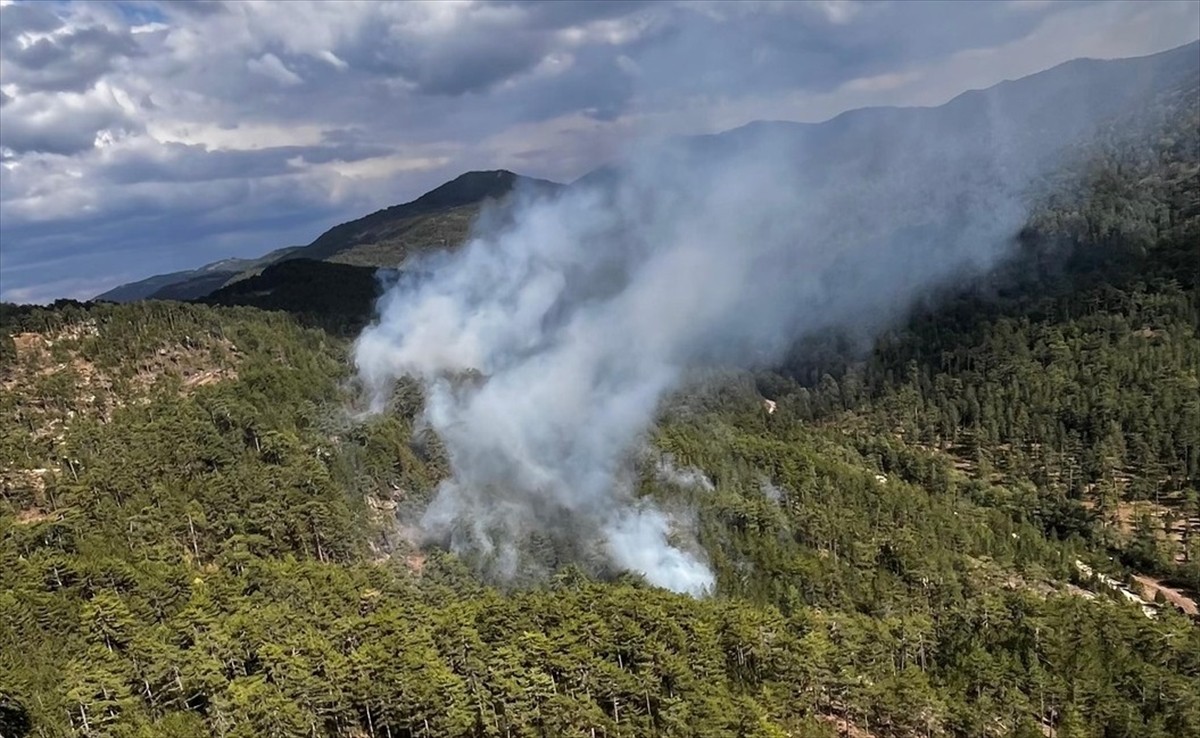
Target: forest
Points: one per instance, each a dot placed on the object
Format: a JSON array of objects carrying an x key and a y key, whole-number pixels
[{"x": 986, "y": 524}]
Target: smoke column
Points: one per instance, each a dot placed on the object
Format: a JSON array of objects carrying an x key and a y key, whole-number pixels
[{"x": 545, "y": 344}]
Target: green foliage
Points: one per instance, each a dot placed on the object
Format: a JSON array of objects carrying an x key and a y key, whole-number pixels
[{"x": 338, "y": 298}]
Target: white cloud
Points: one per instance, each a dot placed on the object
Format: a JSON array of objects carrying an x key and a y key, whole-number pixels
[
  {"x": 333, "y": 59},
  {"x": 64, "y": 122},
  {"x": 239, "y": 137},
  {"x": 839, "y": 11},
  {"x": 269, "y": 66},
  {"x": 381, "y": 167},
  {"x": 881, "y": 82}
]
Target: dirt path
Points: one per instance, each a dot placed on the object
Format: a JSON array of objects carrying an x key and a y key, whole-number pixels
[
  {"x": 1150, "y": 587},
  {"x": 845, "y": 728}
]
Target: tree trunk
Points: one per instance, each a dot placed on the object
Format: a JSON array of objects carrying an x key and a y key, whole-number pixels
[{"x": 192, "y": 531}]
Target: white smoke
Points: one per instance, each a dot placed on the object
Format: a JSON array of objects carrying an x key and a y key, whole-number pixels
[
  {"x": 688, "y": 477},
  {"x": 545, "y": 345},
  {"x": 771, "y": 491}
]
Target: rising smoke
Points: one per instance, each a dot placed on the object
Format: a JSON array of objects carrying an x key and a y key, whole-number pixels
[{"x": 546, "y": 344}]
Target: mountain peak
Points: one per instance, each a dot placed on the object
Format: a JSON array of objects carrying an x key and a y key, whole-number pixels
[
  {"x": 471, "y": 188},
  {"x": 468, "y": 188}
]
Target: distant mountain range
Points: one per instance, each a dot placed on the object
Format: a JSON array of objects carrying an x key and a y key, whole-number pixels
[{"x": 1044, "y": 114}]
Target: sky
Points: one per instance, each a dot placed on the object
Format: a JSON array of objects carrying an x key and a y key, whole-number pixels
[{"x": 140, "y": 137}]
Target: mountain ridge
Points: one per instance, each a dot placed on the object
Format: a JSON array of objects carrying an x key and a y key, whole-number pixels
[{"x": 444, "y": 213}]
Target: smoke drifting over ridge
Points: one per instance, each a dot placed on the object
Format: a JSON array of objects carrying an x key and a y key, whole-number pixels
[{"x": 577, "y": 316}]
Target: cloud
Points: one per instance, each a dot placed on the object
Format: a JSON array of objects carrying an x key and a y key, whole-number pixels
[
  {"x": 351, "y": 106},
  {"x": 43, "y": 53},
  {"x": 269, "y": 66},
  {"x": 63, "y": 123}
]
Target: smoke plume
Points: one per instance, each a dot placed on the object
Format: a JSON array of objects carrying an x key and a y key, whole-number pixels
[{"x": 546, "y": 342}]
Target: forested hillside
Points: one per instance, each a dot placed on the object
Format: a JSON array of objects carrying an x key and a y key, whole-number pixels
[{"x": 200, "y": 536}]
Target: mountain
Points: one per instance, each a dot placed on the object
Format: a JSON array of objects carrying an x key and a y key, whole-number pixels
[
  {"x": 441, "y": 217},
  {"x": 189, "y": 284},
  {"x": 143, "y": 288},
  {"x": 1017, "y": 125},
  {"x": 988, "y": 524}
]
